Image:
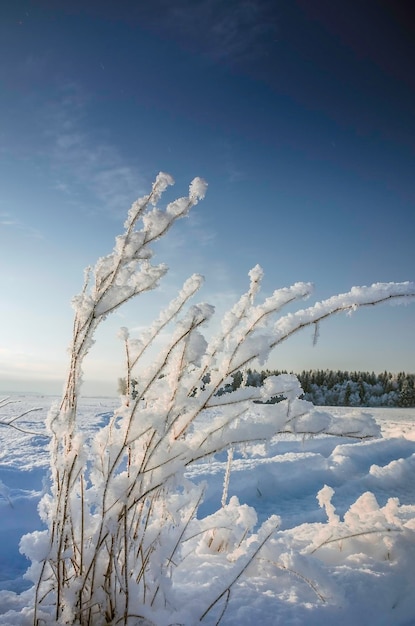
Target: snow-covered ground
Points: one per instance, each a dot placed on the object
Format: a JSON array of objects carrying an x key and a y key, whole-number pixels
[{"x": 346, "y": 542}]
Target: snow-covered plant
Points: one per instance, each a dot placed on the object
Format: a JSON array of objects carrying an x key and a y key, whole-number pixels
[{"x": 123, "y": 535}]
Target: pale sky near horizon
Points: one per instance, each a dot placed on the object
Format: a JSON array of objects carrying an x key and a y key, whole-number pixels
[{"x": 300, "y": 115}]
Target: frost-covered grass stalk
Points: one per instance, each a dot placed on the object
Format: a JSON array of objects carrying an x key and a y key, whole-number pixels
[{"x": 121, "y": 515}]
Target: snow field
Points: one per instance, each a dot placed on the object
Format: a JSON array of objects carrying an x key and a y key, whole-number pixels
[{"x": 343, "y": 550}]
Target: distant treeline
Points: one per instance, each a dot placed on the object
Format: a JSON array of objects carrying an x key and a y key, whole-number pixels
[
  {"x": 328, "y": 387},
  {"x": 343, "y": 388}
]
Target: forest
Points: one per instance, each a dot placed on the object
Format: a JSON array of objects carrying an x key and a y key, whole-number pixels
[{"x": 340, "y": 388}]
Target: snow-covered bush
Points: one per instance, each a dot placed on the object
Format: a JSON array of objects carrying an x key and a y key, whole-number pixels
[{"x": 123, "y": 535}]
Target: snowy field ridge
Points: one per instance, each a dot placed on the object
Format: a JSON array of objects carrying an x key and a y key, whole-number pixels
[{"x": 345, "y": 545}]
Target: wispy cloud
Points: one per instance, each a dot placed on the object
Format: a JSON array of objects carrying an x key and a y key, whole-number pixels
[
  {"x": 231, "y": 31},
  {"x": 7, "y": 221},
  {"x": 84, "y": 163},
  {"x": 234, "y": 173}
]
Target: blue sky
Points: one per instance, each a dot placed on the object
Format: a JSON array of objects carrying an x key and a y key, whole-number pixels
[{"x": 300, "y": 115}]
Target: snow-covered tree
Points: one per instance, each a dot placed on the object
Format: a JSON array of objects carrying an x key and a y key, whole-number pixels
[{"x": 407, "y": 393}]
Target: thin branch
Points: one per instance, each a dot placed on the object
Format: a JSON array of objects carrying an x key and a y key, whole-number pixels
[
  {"x": 298, "y": 575},
  {"x": 375, "y": 531},
  {"x": 239, "y": 573},
  {"x": 24, "y": 431}
]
